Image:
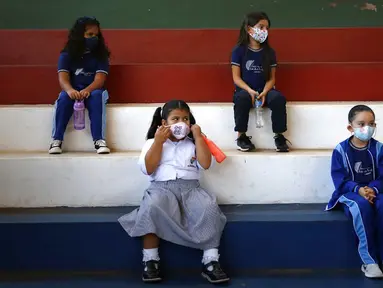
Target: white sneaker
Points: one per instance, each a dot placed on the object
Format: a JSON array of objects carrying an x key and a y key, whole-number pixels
[
  {"x": 372, "y": 271},
  {"x": 101, "y": 147},
  {"x": 55, "y": 147}
]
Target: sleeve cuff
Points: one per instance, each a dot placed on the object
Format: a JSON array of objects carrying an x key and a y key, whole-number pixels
[
  {"x": 102, "y": 71},
  {"x": 356, "y": 189},
  {"x": 376, "y": 190},
  {"x": 212, "y": 164},
  {"x": 236, "y": 64},
  {"x": 143, "y": 168}
]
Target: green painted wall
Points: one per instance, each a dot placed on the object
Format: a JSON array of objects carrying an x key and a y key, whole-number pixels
[{"x": 162, "y": 14}]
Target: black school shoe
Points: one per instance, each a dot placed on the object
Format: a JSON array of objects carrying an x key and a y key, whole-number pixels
[
  {"x": 213, "y": 273},
  {"x": 151, "y": 271},
  {"x": 244, "y": 144},
  {"x": 281, "y": 143}
]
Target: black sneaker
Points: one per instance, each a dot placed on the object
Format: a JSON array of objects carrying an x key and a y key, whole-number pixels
[
  {"x": 101, "y": 147},
  {"x": 152, "y": 271},
  {"x": 213, "y": 273},
  {"x": 55, "y": 147},
  {"x": 281, "y": 143},
  {"x": 244, "y": 144}
]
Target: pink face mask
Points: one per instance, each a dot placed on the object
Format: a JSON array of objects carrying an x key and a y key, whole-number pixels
[{"x": 180, "y": 130}]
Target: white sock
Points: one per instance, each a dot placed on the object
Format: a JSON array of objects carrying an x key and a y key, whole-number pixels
[
  {"x": 150, "y": 254},
  {"x": 210, "y": 255}
]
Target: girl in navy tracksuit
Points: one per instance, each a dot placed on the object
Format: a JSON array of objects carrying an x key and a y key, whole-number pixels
[
  {"x": 82, "y": 67},
  {"x": 357, "y": 173}
]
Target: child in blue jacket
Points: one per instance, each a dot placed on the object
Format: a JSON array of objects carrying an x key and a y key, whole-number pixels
[{"x": 357, "y": 173}]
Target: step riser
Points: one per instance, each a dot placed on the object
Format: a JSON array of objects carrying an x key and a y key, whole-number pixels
[
  {"x": 116, "y": 180},
  {"x": 194, "y": 46},
  {"x": 245, "y": 246},
  {"x": 127, "y": 127},
  {"x": 203, "y": 83}
]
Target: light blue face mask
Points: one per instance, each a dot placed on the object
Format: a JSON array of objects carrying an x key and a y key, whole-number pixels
[{"x": 364, "y": 133}]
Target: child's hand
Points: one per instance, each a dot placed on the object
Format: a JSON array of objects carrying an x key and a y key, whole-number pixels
[
  {"x": 74, "y": 94},
  {"x": 371, "y": 194},
  {"x": 262, "y": 97},
  {"x": 84, "y": 93},
  {"x": 196, "y": 130},
  {"x": 162, "y": 134},
  {"x": 253, "y": 94},
  {"x": 367, "y": 194}
]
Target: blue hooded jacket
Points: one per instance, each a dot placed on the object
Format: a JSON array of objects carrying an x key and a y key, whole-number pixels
[{"x": 343, "y": 174}]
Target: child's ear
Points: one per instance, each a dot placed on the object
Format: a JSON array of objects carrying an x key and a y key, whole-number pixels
[
  {"x": 250, "y": 30},
  {"x": 349, "y": 128},
  {"x": 163, "y": 122}
]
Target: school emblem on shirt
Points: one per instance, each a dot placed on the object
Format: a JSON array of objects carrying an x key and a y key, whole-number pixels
[
  {"x": 192, "y": 162},
  {"x": 361, "y": 170},
  {"x": 80, "y": 71},
  {"x": 250, "y": 66}
]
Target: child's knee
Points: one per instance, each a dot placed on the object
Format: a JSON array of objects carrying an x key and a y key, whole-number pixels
[
  {"x": 98, "y": 98},
  {"x": 276, "y": 98},
  {"x": 64, "y": 99},
  {"x": 365, "y": 206},
  {"x": 96, "y": 93},
  {"x": 242, "y": 98}
]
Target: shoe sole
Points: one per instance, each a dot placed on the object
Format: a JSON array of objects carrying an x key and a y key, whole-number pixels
[
  {"x": 245, "y": 150},
  {"x": 372, "y": 277},
  {"x": 103, "y": 151},
  {"x": 152, "y": 280},
  {"x": 214, "y": 281},
  {"x": 282, "y": 151},
  {"x": 55, "y": 150}
]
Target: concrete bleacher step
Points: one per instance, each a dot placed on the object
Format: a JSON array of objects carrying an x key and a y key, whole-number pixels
[
  {"x": 257, "y": 238},
  {"x": 123, "y": 281},
  {"x": 316, "y": 125},
  {"x": 89, "y": 180}
]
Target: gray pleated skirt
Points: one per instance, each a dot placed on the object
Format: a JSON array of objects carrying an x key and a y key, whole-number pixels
[{"x": 178, "y": 211}]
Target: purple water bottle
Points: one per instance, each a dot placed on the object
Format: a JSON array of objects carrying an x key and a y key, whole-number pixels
[{"x": 79, "y": 115}]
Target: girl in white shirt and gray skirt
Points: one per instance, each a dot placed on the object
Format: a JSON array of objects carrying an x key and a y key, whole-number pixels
[{"x": 175, "y": 207}]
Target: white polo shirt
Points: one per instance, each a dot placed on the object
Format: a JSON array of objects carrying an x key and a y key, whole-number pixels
[{"x": 178, "y": 161}]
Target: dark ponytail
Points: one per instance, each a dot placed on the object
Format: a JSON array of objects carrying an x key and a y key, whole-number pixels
[
  {"x": 163, "y": 113},
  {"x": 251, "y": 20},
  {"x": 156, "y": 122}
]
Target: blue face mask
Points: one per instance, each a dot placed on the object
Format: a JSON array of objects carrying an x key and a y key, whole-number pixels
[
  {"x": 91, "y": 43},
  {"x": 364, "y": 133}
]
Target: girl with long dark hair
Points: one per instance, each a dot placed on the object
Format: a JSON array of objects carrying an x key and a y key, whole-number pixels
[
  {"x": 253, "y": 64},
  {"x": 82, "y": 68}
]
